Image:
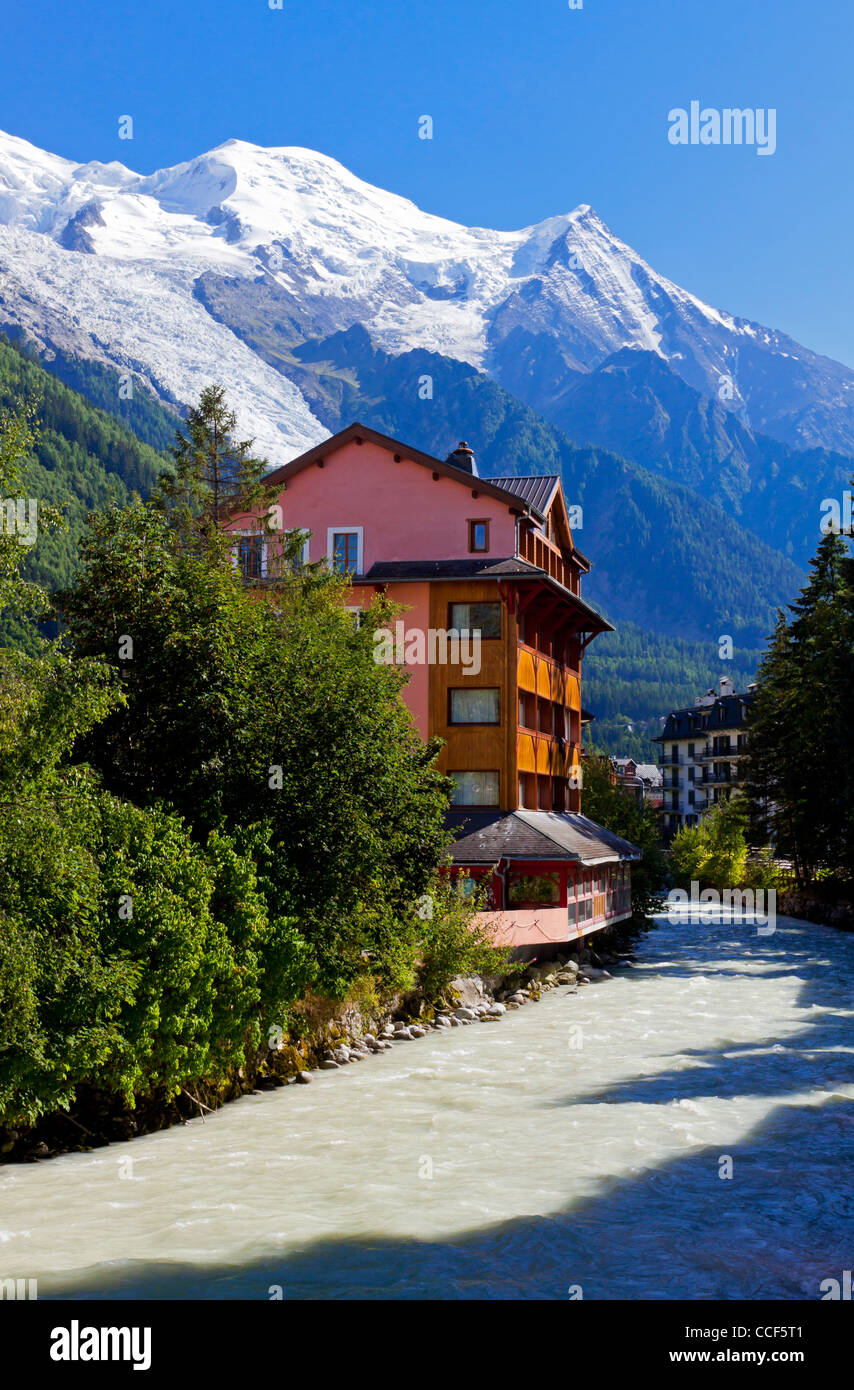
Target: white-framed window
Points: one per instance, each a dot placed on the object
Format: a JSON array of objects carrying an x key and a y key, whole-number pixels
[
  {"x": 344, "y": 549},
  {"x": 250, "y": 554}
]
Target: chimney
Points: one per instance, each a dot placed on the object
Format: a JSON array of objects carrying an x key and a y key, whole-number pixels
[
  {"x": 463, "y": 458},
  {"x": 727, "y": 687}
]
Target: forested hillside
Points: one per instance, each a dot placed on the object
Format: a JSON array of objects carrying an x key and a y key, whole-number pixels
[{"x": 83, "y": 459}]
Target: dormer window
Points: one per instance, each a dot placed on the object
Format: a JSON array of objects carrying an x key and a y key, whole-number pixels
[{"x": 478, "y": 537}]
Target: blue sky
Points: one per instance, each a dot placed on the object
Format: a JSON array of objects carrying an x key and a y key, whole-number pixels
[{"x": 536, "y": 107}]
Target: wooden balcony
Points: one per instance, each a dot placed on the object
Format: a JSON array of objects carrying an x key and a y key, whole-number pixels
[{"x": 537, "y": 550}]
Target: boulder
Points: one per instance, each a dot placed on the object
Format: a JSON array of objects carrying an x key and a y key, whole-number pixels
[{"x": 467, "y": 990}]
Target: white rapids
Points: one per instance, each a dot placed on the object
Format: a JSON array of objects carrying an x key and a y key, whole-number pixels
[{"x": 577, "y": 1147}]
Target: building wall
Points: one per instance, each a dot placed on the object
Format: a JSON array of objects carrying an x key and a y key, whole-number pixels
[
  {"x": 532, "y": 925},
  {"x": 475, "y": 747},
  {"x": 404, "y": 513}
]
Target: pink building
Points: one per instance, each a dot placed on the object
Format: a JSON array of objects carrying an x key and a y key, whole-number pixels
[{"x": 493, "y": 638}]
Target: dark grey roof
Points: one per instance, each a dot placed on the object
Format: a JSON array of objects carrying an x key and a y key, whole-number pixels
[
  {"x": 407, "y": 571},
  {"x": 483, "y": 837},
  {"x": 477, "y": 567},
  {"x": 535, "y": 489},
  {"x": 727, "y": 712}
]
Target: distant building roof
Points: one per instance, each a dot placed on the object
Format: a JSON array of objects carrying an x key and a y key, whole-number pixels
[
  {"x": 724, "y": 712},
  {"x": 487, "y": 836}
]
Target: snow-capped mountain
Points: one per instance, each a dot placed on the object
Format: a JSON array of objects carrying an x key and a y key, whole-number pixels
[{"x": 158, "y": 276}]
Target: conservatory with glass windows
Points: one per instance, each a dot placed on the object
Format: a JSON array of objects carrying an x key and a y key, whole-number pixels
[{"x": 550, "y": 878}]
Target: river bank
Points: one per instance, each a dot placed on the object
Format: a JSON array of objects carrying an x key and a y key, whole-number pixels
[
  {"x": 810, "y": 905},
  {"x": 328, "y": 1035}
]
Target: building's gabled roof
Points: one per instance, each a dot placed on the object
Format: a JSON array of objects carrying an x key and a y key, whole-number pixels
[
  {"x": 537, "y": 490},
  {"x": 402, "y": 451},
  {"x": 484, "y": 837}
]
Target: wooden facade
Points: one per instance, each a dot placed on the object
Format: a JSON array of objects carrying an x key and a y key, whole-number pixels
[{"x": 535, "y": 748}]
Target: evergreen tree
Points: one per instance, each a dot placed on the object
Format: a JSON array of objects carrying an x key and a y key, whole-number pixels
[
  {"x": 215, "y": 473},
  {"x": 801, "y": 751}
]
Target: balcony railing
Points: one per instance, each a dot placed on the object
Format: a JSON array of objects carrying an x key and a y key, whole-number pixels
[
  {"x": 719, "y": 777},
  {"x": 724, "y": 750},
  {"x": 539, "y": 551}
]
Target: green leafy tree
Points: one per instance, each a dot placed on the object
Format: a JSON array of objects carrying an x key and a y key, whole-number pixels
[
  {"x": 265, "y": 709},
  {"x": 714, "y": 852},
  {"x": 132, "y": 957},
  {"x": 20, "y": 597}
]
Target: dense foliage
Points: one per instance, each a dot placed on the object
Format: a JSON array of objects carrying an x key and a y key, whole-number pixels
[
  {"x": 265, "y": 708},
  {"x": 79, "y": 459},
  {"x": 801, "y": 745},
  {"x": 212, "y": 801},
  {"x": 714, "y": 853}
]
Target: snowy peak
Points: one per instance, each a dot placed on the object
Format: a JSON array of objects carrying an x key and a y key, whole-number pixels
[
  {"x": 112, "y": 261},
  {"x": 31, "y": 181}
]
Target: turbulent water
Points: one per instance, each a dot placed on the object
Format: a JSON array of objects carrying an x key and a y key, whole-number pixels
[{"x": 576, "y": 1147}]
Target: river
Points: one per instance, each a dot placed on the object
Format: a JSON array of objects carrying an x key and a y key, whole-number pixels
[{"x": 577, "y": 1148}]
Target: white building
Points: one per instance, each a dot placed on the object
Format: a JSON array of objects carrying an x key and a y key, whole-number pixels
[{"x": 702, "y": 754}]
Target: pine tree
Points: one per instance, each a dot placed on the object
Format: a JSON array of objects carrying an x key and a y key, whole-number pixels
[
  {"x": 801, "y": 764},
  {"x": 215, "y": 474}
]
